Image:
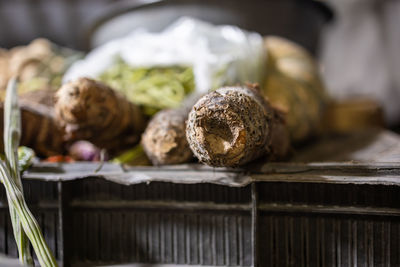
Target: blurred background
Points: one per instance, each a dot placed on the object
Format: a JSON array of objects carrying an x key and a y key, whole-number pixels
[
  {"x": 355, "y": 41},
  {"x": 345, "y": 80}
]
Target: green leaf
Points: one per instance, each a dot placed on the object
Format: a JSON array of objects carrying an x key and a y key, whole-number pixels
[
  {"x": 11, "y": 135},
  {"x": 26, "y": 156},
  {"x": 24, "y": 224}
]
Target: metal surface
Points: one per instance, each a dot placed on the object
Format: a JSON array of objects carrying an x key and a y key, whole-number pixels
[
  {"x": 71, "y": 23},
  {"x": 205, "y": 232},
  {"x": 300, "y": 21}
]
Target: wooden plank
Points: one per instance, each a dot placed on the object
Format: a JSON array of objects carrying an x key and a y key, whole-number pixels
[
  {"x": 327, "y": 209},
  {"x": 366, "y": 146},
  {"x": 372, "y": 157},
  {"x": 316, "y": 173}
]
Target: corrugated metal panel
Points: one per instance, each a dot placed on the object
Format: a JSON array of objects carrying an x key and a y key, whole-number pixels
[
  {"x": 327, "y": 241},
  {"x": 93, "y": 221}
]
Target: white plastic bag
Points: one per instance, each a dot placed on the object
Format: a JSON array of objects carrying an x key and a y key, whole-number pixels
[{"x": 219, "y": 55}]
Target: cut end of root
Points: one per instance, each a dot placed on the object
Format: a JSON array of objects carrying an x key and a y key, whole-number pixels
[
  {"x": 230, "y": 127},
  {"x": 222, "y": 138}
]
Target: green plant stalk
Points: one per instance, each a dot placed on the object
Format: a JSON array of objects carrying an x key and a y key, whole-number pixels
[
  {"x": 10, "y": 176},
  {"x": 12, "y": 133},
  {"x": 129, "y": 155},
  {"x": 29, "y": 224},
  {"x": 24, "y": 253}
]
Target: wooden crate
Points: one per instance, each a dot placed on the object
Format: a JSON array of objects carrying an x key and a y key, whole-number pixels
[{"x": 275, "y": 214}]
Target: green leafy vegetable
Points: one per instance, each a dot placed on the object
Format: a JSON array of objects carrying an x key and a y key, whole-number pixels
[
  {"x": 26, "y": 156},
  {"x": 153, "y": 88}
]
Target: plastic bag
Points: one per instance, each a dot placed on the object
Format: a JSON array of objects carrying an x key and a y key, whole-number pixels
[{"x": 219, "y": 55}]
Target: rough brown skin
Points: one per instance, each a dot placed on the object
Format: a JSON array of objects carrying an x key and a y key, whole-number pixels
[
  {"x": 164, "y": 139},
  {"x": 90, "y": 110},
  {"x": 39, "y": 129},
  {"x": 235, "y": 125},
  {"x": 293, "y": 83},
  {"x": 43, "y": 97}
]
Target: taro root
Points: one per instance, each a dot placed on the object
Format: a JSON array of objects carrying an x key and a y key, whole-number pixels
[
  {"x": 90, "y": 110},
  {"x": 164, "y": 139},
  {"x": 39, "y": 129},
  {"x": 4, "y": 69},
  {"x": 29, "y": 61},
  {"x": 235, "y": 125},
  {"x": 294, "y": 84},
  {"x": 42, "y": 97},
  {"x": 39, "y": 65}
]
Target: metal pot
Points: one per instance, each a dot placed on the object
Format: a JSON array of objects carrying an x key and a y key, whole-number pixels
[{"x": 298, "y": 20}]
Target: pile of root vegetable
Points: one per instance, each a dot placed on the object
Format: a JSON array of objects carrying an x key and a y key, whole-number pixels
[{"x": 87, "y": 119}]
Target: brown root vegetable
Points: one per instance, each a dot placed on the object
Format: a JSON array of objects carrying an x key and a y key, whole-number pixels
[
  {"x": 293, "y": 83},
  {"x": 351, "y": 115},
  {"x": 38, "y": 65},
  {"x": 90, "y": 110},
  {"x": 43, "y": 97},
  {"x": 4, "y": 69},
  {"x": 25, "y": 61},
  {"x": 164, "y": 140},
  {"x": 235, "y": 125},
  {"x": 39, "y": 129}
]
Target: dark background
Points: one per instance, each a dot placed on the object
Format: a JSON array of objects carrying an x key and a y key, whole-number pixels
[{"x": 357, "y": 49}]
